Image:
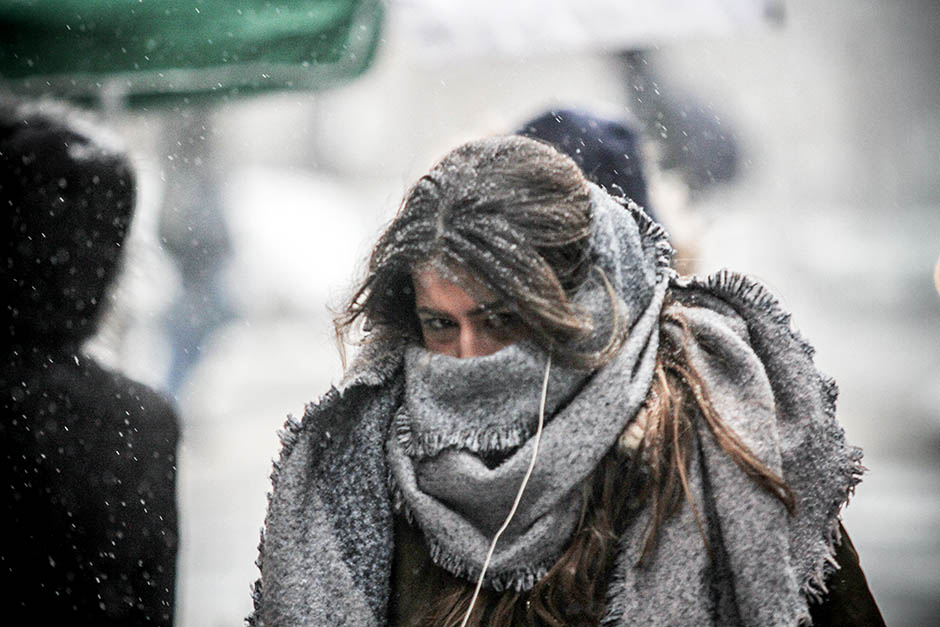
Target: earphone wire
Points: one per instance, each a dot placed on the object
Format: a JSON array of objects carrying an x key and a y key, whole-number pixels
[{"x": 522, "y": 486}]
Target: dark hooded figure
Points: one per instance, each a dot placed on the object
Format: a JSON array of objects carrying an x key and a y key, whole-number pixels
[
  {"x": 87, "y": 456},
  {"x": 608, "y": 150}
]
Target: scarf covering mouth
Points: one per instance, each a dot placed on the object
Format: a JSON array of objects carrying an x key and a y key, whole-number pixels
[
  {"x": 327, "y": 545},
  {"x": 457, "y": 412}
]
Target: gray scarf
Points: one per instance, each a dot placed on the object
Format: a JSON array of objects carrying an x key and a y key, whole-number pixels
[
  {"x": 454, "y": 410},
  {"x": 327, "y": 545}
]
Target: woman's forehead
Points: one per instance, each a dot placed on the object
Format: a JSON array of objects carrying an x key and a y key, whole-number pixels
[{"x": 439, "y": 283}]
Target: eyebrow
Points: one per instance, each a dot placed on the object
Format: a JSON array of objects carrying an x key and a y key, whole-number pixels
[{"x": 480, "y": 310}]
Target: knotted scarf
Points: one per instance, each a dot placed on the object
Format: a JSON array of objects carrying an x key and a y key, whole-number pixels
[{"x": 450, "y": 436}]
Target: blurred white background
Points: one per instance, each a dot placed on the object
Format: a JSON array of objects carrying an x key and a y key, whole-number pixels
[{"x": 834, "y": 107}]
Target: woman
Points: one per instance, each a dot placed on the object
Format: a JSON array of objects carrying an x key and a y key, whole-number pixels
[{"x": 544, "y": 410}]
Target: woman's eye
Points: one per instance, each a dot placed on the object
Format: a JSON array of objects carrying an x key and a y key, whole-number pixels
[
  {"x": 502, "y": 320},
  {"x": 436, "y": 324}
]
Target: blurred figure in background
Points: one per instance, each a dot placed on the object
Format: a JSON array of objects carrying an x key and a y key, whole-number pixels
[
  {"x": 88, "y": 461},
  {"x": 609, "y": 151},
  {"x": 692, "y": 138},
  {"x": 612, "y": 152},
  {"x": 193, "y": 231},
  {"x": 936, "y": 275}
]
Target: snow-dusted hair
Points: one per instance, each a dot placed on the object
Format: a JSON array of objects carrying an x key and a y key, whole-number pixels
[{"x": 511, "y": 212}]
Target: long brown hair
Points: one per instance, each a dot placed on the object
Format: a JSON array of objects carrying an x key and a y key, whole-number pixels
[{"x": 514, "y": 213}]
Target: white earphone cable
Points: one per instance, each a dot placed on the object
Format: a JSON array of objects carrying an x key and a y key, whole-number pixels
[{"x": 522, "y": 486}]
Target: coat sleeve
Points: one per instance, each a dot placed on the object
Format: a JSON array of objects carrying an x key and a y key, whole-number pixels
[{"x": 849, "y": 601}]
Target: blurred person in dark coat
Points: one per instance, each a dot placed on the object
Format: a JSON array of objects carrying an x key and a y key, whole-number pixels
[
  {"x": 87, "y": 456},
  {"x": 612, "y": 151},
  {"x": 608, "y": 150}
]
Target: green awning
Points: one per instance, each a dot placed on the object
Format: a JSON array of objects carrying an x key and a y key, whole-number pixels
[{"x": 148, "y": 50}]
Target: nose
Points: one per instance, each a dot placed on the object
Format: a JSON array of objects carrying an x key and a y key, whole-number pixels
[{"x": 471, "y": 343}]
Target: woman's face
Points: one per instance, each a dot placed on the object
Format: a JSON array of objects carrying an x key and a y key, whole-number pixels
[{"x": 455, "y": 323}]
